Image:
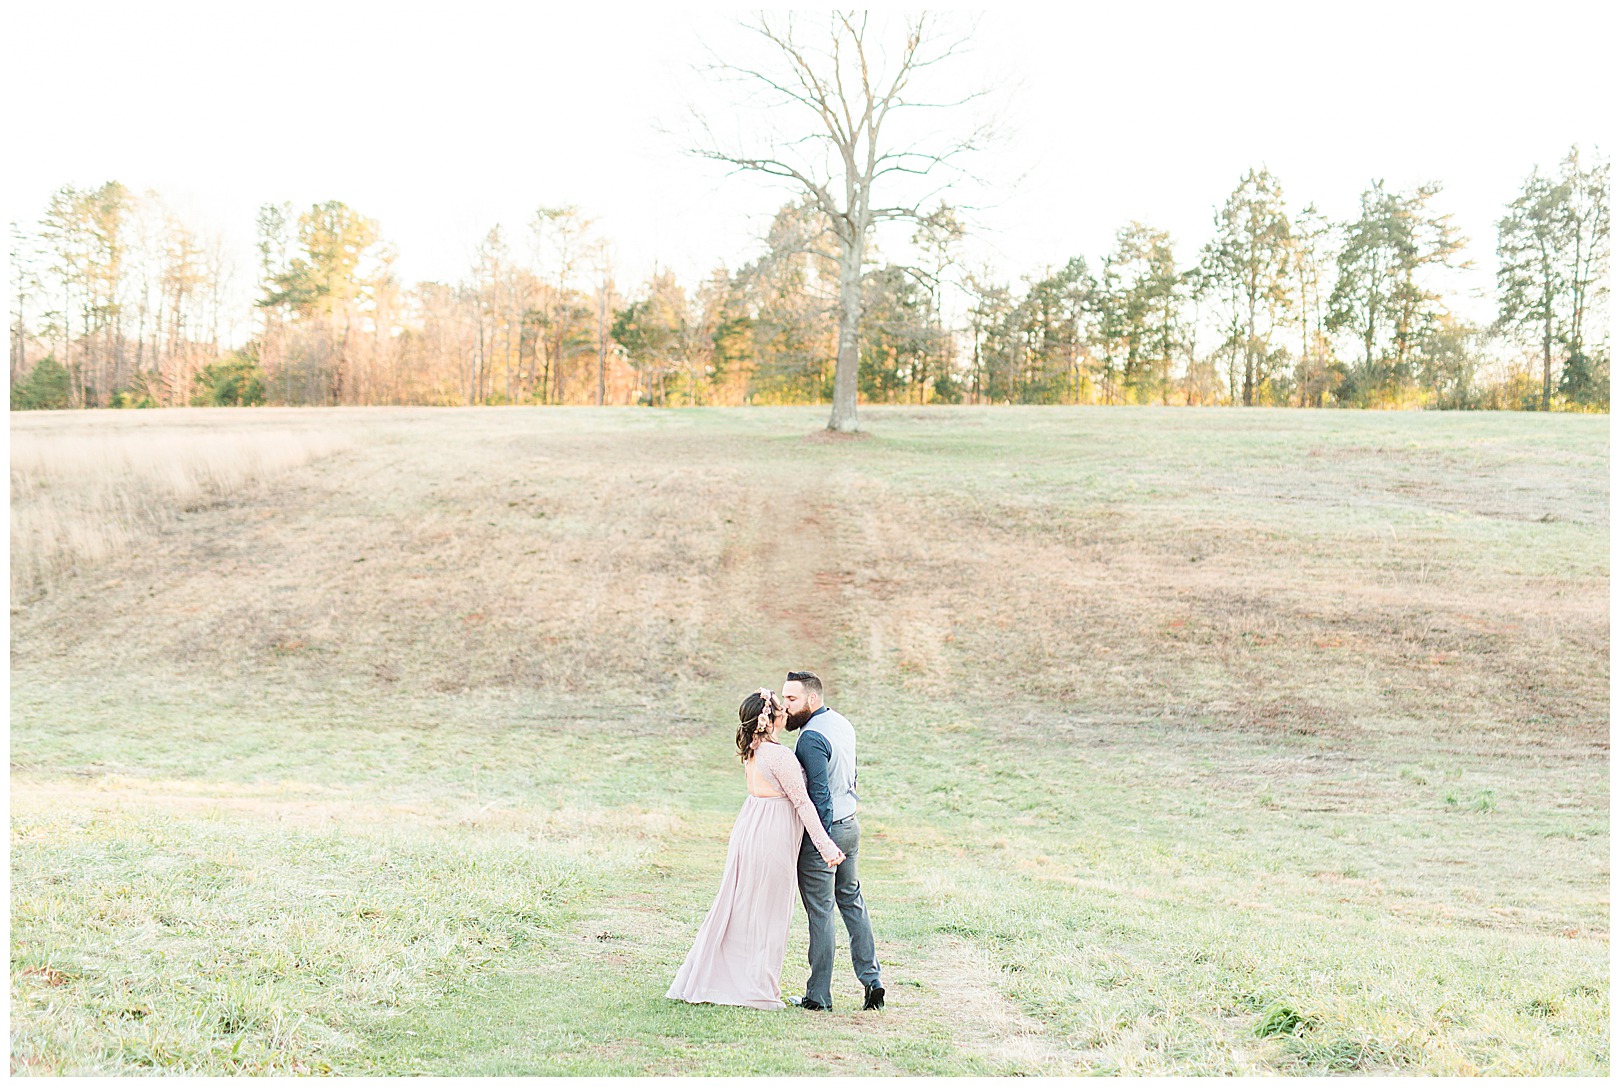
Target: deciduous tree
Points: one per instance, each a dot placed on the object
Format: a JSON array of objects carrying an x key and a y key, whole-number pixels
[{"x": 850, "y": 97}]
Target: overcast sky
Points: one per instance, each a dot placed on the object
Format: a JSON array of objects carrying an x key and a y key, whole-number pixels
[{"x": 441, "y": 121}]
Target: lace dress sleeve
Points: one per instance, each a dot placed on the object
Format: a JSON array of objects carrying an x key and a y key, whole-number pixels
[{"x": 789, "y": 777}]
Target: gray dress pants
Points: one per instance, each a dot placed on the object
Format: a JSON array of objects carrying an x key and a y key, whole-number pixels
[{"x": 820, "y": 890}]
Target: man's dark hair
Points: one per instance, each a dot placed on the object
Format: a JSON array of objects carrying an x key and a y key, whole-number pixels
[{"x": 811, "y": 681}]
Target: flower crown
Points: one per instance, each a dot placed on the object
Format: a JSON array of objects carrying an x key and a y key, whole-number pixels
[{"x": 772, "y": 705}]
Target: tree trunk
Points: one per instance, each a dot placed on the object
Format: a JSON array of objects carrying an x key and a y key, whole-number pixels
[
  {"x": 1546, "y": 363},
  {"x": 543, "y": 341},
  {"x": 852, "y": 252},
  {"x": 19, "y": 349},
  {"x": 1248, "y": 358},
  {"x": 977, "y": 364},
  {"x": 75, "y": 387},
  {"x": 1578, "y": 281},
  {"x": 562, "y": 341},
  {"x": 1370, "y": 335},
  {"x": 601, "y": 347},
  {"x": 336, "y": 386}
]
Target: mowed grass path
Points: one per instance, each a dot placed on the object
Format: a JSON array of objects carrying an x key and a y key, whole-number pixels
[{"x": 1192, "y": 741}]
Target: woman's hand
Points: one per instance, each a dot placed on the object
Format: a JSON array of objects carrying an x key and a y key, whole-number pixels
[{"x": 833, "y": 859}]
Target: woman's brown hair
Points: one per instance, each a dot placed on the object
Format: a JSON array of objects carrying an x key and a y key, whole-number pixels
[{"x": 755, "y": 715}]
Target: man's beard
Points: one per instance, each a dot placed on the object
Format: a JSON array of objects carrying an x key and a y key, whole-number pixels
[{"x": 796, "y": 721}]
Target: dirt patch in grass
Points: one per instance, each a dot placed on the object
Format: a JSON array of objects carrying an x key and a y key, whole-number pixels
[
  {"x": 956, "y": 981},
  {"x": 828, "y": 436}
]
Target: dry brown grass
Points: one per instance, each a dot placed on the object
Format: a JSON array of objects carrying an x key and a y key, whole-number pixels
[
  {"x": 86, "y": 490},
  {"x": 1092, "y": 561}
]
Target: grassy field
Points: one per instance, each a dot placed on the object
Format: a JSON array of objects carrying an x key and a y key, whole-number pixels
[{"x": 1193, "y": 742}]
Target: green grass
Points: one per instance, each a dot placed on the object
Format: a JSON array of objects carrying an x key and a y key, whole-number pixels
[
  {"x": 1330, "y": 799},
  {"x": 216, "y": 944},
  {"x": 346, "y": 912}
]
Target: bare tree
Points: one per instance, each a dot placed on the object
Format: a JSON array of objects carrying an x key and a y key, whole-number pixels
[
  {"x": 25, "y": 284},
  {"x": 602, "y": 267},
  {"x": 562, "y": 242},
  {"x": 844, "y": 94}
]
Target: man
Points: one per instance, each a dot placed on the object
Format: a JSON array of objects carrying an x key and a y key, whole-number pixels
[{"x": 826, "y": 750}]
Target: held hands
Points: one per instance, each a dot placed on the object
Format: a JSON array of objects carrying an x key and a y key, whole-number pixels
[{"x": 833, "y": 859}]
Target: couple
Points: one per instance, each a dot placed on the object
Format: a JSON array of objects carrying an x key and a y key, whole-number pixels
[{"x": 798, "y": 825}]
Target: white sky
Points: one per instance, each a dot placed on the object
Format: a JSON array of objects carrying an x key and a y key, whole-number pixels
[{"x": 440, "y": 122}]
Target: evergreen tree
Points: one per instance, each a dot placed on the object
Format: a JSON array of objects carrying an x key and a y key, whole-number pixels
[
  {"x": 1532, "y": 268},
  {"x": 1381, "y": 295},
  {"x": 1054, "y": 322},
  {"x": 1138, "y": 306},
  {"x": 657, "y": 335},
  {"x": 1553, "y": 250},
  {"x": 1249, "y": 264},
  {"x": 48, "y": 387},
  {"x": 321, "y": 285}
]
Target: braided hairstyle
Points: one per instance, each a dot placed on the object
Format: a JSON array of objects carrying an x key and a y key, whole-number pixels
[{"x": 755, "y": 715}]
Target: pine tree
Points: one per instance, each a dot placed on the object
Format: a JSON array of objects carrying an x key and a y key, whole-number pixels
[
  {"x": 1381, "y": 295},
  {"x": 1248, "y": 263}
]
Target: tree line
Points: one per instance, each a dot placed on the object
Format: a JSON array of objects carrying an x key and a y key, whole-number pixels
[{"x": 117, "y": 302}]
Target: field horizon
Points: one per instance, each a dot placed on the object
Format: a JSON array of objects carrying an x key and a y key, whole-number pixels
[{"x": 1193, "y": 740}]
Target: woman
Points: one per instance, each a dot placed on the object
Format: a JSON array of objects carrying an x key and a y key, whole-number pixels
[{"x": 737, "y": 957}]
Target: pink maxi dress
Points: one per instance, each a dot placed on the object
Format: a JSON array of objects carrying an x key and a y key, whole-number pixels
[{"x": 737, "y": 956}]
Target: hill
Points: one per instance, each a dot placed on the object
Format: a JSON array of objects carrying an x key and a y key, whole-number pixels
[{"x": 1193, "y": 741}]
